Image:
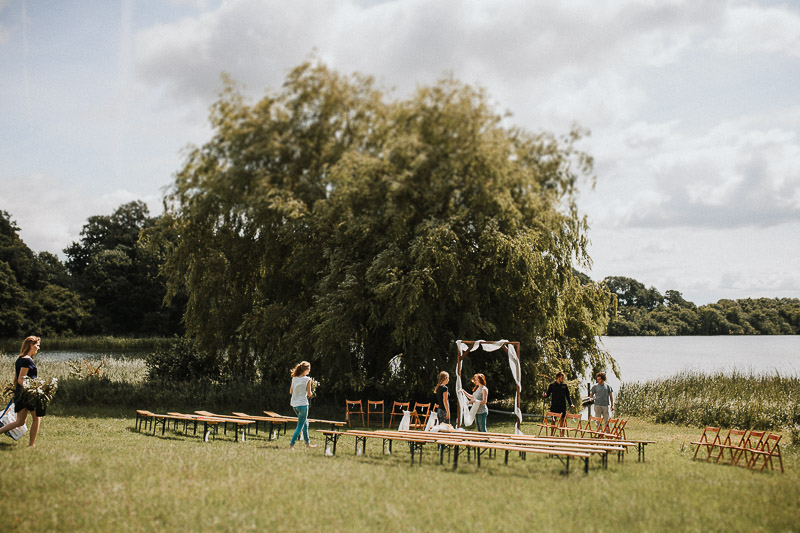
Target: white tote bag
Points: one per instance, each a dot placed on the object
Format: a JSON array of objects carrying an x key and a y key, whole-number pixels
[{"x": 9, "y": 417}]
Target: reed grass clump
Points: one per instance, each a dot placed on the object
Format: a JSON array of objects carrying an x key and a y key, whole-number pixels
[{"x": 737, "y": 399}]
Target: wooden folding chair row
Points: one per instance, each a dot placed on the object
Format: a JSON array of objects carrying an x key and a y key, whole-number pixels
[
  {"x": 743, "y": 448},
  {"x": 419, "y": 414}
]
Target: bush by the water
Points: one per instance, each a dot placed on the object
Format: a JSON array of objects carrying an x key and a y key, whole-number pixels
[{"x": 734, "y": 400}]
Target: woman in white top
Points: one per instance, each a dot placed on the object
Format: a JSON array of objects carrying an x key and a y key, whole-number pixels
[
  {"x": 301, "y": 392},
  {"x": 480, "y": 394}
]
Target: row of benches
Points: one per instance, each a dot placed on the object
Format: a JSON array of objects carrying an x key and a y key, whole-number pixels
[
  {"x": 564, "y": 448},
  {"x": 240, "y": 422},
  {"x": 743, "y": 448}
]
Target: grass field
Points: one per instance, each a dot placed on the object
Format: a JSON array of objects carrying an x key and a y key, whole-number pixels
[{"x": 91, "y": 471}]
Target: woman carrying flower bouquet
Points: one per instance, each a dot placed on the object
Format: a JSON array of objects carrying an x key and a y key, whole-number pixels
[
  {"x": 301, "y": 392},
  {"x": 25, "y": 403}
]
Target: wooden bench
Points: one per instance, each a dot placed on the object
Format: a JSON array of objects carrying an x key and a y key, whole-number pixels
[
  {"x": 154, "y": 419},
  {"x": 417, "y": 439},
  {"x": 237, "y": 423},
  {"x": 333, "y": 423},
  {"x": 243, "y": 416}
]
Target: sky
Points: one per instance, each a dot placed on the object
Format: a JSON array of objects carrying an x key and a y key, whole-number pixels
[{"x": 693, "y": 109}]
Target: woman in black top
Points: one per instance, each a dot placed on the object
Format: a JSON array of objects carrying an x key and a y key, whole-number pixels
[
  {"x": 443, "y": 397},
  {"x": 24, "y": 366}
]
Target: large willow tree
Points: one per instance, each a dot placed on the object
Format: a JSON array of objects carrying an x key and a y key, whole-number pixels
[{"x": 331, "y": 223}]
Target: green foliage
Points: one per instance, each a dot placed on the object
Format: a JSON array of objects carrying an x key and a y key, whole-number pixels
[
  {"x": 121, "y": 277},
  {"x": 731, "y": 400},
  {"x": 329, "y": 223},
  {"x": 181, "y": 361},
  {"x": 644, "y": 311},
  {"x": 35, "y": 293},
  {"x": 95, "y": 473}
]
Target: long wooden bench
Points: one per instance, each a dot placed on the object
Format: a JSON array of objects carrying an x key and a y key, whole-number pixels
[
  {"x": 272, "y": 421},
  {"x": 238, "y": 424},
  {"x": 626, "y": 443},
  {"x": 602, "y": 448},
  {"x": 144, "y": 417},
  {"x": 417, "y": 439},
  {"x": 332, "y": 423}
]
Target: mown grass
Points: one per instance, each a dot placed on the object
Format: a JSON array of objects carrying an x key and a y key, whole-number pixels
[
  {"x": 740, "y": 400},
  {"x": 91, "y": 471},
  {"x": 97, "y": 343}
]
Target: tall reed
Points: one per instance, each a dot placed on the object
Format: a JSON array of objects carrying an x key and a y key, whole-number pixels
[{"x": 737, "y": 399}]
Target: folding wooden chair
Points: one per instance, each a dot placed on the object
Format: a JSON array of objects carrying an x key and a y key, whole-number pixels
[
  {"x": 420, "y": 415},
  {"x": 709, "y": 439},
  {"x": 354, "y": 407},
  {"x": 733, "y": 443},
  {"x": 375, "y": 407},
  {"x": 753, "y": 441},
  {"x": 573, "y": 423},
  {"x": 397, "y": 410},
  {"x": 770, "y": 448},
  {"x": 595, "y": 424},
  {"x": 552, "y": 423}
]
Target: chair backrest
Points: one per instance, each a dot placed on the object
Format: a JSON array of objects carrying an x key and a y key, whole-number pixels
[
  {"x": 354, "y": 406},
  {"x": 610, "y": 426},
  {"x": 595, "y": 420},
  {"x": 375, "y": 404},
  {"x": 710, "y": 435},
  {"x": 772, "y": 442},
  {"x": 735, "y": 437},
  {"x": 754, "y": 440},
  {"x": 553, "y": 418},
  {"x": 619, "y": 429},
  {"x": 422, "y": 408},
  {"x": 404, "y": 406}
]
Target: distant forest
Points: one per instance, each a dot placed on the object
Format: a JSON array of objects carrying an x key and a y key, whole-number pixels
[
  {"x": 645, "y": 311},
  {"x": 109, "y": 284}
]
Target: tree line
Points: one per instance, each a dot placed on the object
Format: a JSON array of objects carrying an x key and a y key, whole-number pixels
[
  {"x": 332, "y": 222},
  {"x": 108, "y": 285},
  {"x": 645, "y": 311}
]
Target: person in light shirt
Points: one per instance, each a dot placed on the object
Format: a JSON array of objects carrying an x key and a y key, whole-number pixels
[
  {"x": 301, "y": 392},
  {"x": 603, "y": 397}
]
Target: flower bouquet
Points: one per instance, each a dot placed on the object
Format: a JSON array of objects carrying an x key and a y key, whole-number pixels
[
  {"x": 38, "y": 391},
  {"x": 314, "y": 386}
]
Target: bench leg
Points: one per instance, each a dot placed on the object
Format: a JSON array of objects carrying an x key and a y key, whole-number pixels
[
  {"x": 455, "y": 458},
  {"x": 585, "y": 465}
]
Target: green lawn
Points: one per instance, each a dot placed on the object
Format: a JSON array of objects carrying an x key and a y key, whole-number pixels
[{"x": 91, "y": 471}]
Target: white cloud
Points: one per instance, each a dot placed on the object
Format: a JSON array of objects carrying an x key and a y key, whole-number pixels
[
  {"x": 752, "y": 28},
  {"x": 52, "y": 217},
  {"x": 548, "y": 62}
]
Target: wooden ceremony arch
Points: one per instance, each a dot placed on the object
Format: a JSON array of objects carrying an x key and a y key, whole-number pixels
[{"x": 470, "y": 346}]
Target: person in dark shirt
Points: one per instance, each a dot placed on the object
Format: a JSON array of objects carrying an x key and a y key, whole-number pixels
[
  {"x": 443, "y": 398},
  {"x": 558, "y": 392},
  {"x": 24, "y": 366}
]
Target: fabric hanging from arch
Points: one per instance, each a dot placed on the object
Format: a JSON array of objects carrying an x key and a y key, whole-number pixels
[{"x": 513, "y": 362}]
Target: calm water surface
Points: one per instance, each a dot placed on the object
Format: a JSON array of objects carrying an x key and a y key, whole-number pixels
[{"x": 644, "y": 358}]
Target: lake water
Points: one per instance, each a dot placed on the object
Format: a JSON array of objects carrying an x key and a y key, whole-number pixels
[{"x": 645, "y": 358}]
